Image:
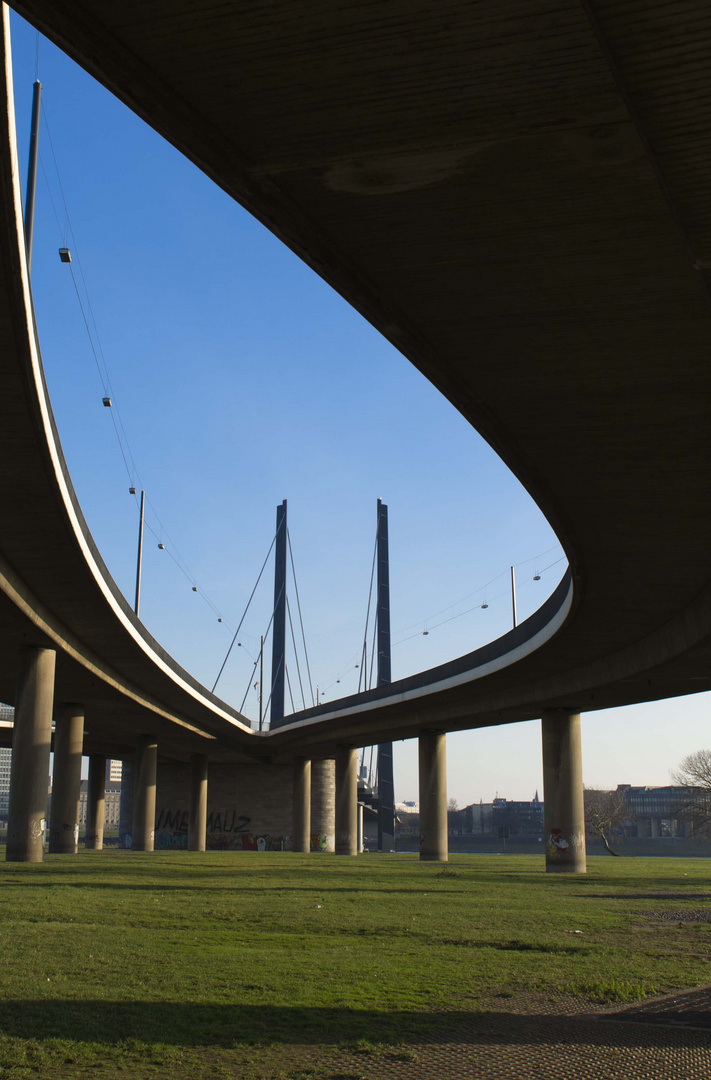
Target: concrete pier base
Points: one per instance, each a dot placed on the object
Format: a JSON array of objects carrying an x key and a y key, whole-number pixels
[
  {"x": 301, "y": 808},
  {"x": 144, "y": 793},
  {"x": 66, "y": 779},
  {"x": 197, "y": 814},
  {"x": 323, "y": 804},
  {"x": 346, "y": 801},
  {"x": 95, "y": 803},
  {"x": 563, "y": 792},
  {"x": 31, "y": 741},
  {"x": 432, "y": 753}
]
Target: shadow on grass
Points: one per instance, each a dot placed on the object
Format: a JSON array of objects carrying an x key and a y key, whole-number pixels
[{"x": 188, "y": 1024}]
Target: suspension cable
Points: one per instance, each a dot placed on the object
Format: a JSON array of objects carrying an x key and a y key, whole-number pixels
[
  {"x": 244, "y": 614},
  {"x": 89, "y": 320},
  {"x": 301, "y": 621},
  {"x": 367, "y": 616},
  {"x": 288, "y": 683},
  {"x": 296, "y": 656}
]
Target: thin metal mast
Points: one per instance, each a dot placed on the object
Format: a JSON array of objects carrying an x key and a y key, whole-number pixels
[
  {"x": 32, "y": 170},
  {"x": 386, "y": 787},
  {"x": 139, "y": 558},
  {"x": 261, "y": 683},
  {"x": 279, "y": 629}
]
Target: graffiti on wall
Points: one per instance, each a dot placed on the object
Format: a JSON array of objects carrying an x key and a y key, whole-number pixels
[{"x": 226, "y": 830}]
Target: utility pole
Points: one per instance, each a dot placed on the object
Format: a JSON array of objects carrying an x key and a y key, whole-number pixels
[
  {"x": 32, "y": 170},
  {"x": 279, "y": 631},
  {"x": 386, "y": 786}
]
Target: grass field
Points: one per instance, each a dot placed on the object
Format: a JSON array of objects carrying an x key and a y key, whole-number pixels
[{"x": 180, "y": 965}]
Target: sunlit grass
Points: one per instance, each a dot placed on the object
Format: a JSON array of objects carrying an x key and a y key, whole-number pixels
[{"x": 186, "y": 960}]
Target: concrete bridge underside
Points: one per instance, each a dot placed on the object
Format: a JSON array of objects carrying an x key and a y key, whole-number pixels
[{"x": 515, "y": 195}]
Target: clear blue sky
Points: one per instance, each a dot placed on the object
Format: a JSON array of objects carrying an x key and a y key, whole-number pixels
[{"x": 242, "y": 379}]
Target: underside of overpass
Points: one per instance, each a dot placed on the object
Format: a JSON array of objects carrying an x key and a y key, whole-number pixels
[{"x": 516, "y": 196}]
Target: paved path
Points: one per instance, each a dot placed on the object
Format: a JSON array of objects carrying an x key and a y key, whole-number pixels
[{"x": 665, "y": 1039}]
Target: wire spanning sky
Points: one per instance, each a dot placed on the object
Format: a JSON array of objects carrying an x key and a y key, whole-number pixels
[{"x": 238, "y": 378}]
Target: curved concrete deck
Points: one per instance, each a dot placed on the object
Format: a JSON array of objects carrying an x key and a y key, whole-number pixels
[{"x": 515, "y": 197}]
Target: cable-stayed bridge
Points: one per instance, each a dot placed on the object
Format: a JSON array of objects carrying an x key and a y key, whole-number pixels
[{"x": 517, "y": 200}]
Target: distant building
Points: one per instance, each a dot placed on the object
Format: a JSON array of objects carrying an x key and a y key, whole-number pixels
[
  {"x": 656, "y": 812},
  {"x": 7, "y": 716},
  {"x": 510, "y": 818},
  {"x": 113, "y": 804},
  {"x": 113, "y": 771},
  {"x": 5, "y": 767},
  {"x": 503, "y": 818}
]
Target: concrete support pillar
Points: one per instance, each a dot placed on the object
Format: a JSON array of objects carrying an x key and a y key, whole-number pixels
[
  {"x": 144, "y": 793},
  {"x": 301, "y": 812},
  {"x": 126, "y": 805},
  {"x": 346, "y": 801},
  {"x": 95, "y": 803},
  {"x": 66, "y": 780},
  {"x": 432, "y": 753},
  {"x": 323, "y": 804},
  {"x": 654, "y": 822},
  {"x": 31, "y": 741},
  {"x": 563, "y": 792},
  {"x": 197, "y": 817}
]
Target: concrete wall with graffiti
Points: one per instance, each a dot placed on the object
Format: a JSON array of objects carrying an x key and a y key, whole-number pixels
[{"x": 248, "y": 807}]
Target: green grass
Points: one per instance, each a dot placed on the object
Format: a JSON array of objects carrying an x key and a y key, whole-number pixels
[{"x": 200, "y": 965}]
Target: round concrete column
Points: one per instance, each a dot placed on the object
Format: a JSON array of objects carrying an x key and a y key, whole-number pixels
[
  {"x": 31, "y": 741},
  {"x": 126, "y": 805},
  {"x": 66, "y": 780},
  {"x": 323, "y": 803},
  {"x": 563, "y": 792},
  {"x": 432, "y": 753},
  {"x": 346, "y": 801},
  {"x": 144, "y": 793},
  {"x": 95, "y": 803},
  {"x": 197, "y": 818},
  {"x": 301, "y": 812}
]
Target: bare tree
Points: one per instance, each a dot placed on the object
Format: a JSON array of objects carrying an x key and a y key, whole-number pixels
[
  {"x": 454, "y": 816},
  {"x": 603, "y": 811},
  {"x": 693, "y": 774}
]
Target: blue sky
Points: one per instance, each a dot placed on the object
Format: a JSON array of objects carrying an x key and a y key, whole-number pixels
[{"x": 242, "y": 379}]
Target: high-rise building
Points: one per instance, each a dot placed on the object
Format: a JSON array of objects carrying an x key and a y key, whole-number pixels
[
  {"x": 113, "y": 771},
  {"x": 7, "y": 716}
]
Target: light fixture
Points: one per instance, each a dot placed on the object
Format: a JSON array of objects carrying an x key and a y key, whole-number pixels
[
  {"x": 484, "y": 606},
  {"x": 132, "y": 491},
  {"x": 162, "y": 547},
  {"x": 536, "y": 577},
  {"x": 65, "y": 255},
  {"x": 195, "y": 588},
  {"x": 107, "y": 402}
]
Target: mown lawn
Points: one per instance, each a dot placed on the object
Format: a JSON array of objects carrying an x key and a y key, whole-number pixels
[{"x": 183, "y": 965}]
